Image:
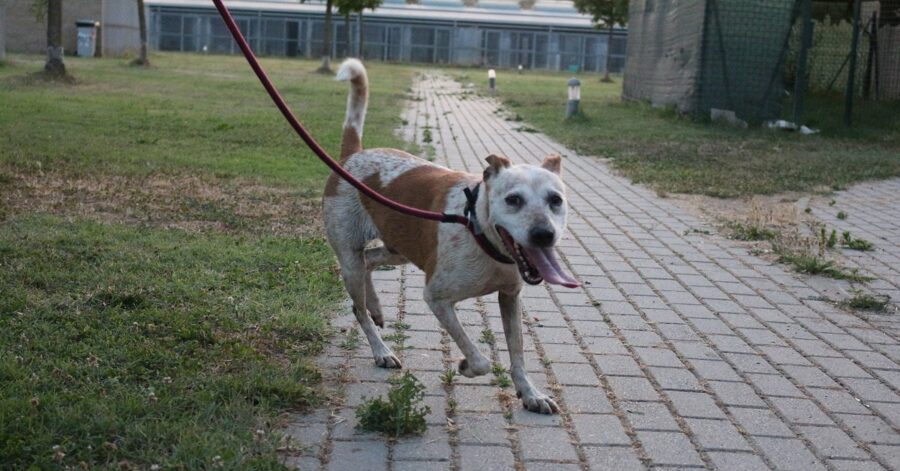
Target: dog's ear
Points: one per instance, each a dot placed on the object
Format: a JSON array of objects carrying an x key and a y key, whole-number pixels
[
  {"x": 496, "y": 163},
  {"x": 552, "y": 163}
]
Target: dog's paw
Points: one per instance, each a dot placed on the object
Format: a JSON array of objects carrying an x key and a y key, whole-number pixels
[
  {"x": 472, "y": 369},
  {"x": 539, "y": 402},
  {"x": 388, "y": 361}
]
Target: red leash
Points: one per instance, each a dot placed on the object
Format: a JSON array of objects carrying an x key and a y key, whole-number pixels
[
  {"x": 308, "y": 139},
  {"x": 333, "y": 164}
]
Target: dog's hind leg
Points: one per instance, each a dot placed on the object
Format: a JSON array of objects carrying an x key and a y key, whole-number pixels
[
  {"x": 356, "y": 278},
  {"x": 377, "y": 257},
  {"x": 532, "y": 398},
  {"x": 475, "y": 363}
]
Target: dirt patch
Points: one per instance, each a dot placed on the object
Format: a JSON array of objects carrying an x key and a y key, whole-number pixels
[{"x": 191, "y": 203}]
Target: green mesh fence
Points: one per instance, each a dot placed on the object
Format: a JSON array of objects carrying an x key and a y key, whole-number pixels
[{"x": 749, "y": 57}]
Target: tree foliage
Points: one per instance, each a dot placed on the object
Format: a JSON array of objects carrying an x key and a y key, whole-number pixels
[{"x": 605, "y": 13}]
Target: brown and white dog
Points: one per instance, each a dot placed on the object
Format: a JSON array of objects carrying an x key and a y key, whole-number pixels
[{"x": 522, "y": 210}]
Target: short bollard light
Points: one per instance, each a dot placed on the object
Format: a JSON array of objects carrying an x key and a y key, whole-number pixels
[
  {"x": 574, "y": 97},
  {"x": 520, "y": 68},
  {"x": 492, "y": 80}
]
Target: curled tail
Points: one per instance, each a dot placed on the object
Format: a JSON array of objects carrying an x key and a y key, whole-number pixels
[{"x": 357, "y": 101}]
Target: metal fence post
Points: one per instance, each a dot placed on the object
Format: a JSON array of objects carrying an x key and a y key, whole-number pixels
[
  {"x": 851, "y": 74},
  {"x": 801, "y": 81}
]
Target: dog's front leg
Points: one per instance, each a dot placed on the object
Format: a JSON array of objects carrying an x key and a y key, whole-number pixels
[
  {"x": 532, "y": 398},
  {"x": 475, "y": 363}
]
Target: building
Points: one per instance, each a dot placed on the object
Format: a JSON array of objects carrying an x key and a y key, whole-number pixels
[
  {"x": 26, "y": 31},
  {"x": 497, "y": 33}
]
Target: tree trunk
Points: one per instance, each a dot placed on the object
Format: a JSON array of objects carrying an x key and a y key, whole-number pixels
[
  {"x": 142, "y": 23},
  {"x": 54, "y": 65},
  {"x": 360, "y": 52},
  {"x": 326, "y": 53},
  {"x": 348, "y": 52},
  {"x": 609, "y": 38}
]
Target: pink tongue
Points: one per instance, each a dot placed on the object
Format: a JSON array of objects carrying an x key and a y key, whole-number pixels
[{"x": 545, "y": 261}]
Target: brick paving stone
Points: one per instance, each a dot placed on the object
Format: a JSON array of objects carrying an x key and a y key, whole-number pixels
[
  {"x": 421, "y": 465},
  {"x": 669, "y": 448},
  {"x": 774, "y": 385},
  {"x": 855, "y": 465},
  {"x": 649, "y": 416},
  {"x": 478, "y": 458},
  {"x": 760, "y": 422},
  {"x": 633, "y": 388},
  {"x": 586, "y": 399},
  {"x": 575, "y": 374},
  {"x": 612, "y": 458},
  {"x": 599, "y": 430},
  {"x": 693, "y": 404},
  {"x": 733, "y": 461},
  {"x": 546, "y": 443},
  {"x": 358, "y": 455},
  {"x": 831, "y": 442},
  {"x": 483, "y": 429},
  {"x": 736, "y": 394},
  {"x": 696, "y": 317},
  {"x": 675, "y": 379},
  {"x": 618, "y": 365},
  {"x": 717, "y": 435},
  {"x": 788, "y": 454}
]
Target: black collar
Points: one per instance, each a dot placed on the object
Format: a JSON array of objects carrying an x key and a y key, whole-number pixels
[{"x": 477, "y": 230}]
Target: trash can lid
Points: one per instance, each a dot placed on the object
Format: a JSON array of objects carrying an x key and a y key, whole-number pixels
[{"x": 87, "y": 23}]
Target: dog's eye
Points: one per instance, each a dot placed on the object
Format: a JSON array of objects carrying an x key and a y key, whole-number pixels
[
  {"x": 554, "y": 200},
  {"x": 514, "y": 200}
]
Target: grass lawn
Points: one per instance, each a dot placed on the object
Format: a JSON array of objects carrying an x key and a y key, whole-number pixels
[
  {"x": 678, "y": 155},
  {"x": 163, "y": 279}
]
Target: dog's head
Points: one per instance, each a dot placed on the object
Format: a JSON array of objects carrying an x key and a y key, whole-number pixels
[{"x": 527, "y": 209}]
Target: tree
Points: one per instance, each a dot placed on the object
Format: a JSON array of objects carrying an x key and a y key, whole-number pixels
[
  {"x": 142, "y": 24},
  {"x": 55, "y": 67},
  {"x": 346, "y": 7},
  {"x": 325, "y": 68},
  {"x": 606, "y": 13}
]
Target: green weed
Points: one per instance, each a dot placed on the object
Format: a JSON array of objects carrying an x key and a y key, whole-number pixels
[
  {"x": 867, "y": 302},
  {"x": 448, "y": 376},
  {"x": 856, "y": 244},
  {"x": 750, "y": 232},
  {"x": 501, "y": 376},
  {"x": 816, "y": 265},
  {"x": 400, "y": 414},
  {"x": 487, "y": 336}
]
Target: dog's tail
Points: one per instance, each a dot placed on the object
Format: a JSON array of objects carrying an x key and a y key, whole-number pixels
[{"x": 357, "y": 101}]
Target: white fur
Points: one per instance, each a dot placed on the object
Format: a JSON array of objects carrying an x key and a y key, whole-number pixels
[
  {"x": 462, "y": 270},
  {"x": 356, "y": 109}
]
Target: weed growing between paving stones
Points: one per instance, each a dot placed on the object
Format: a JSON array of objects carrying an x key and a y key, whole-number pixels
[
  {"x": 867, "y": 302},
  {"x": 399, "y": 415},
  {"x": 815, "y": 265},
  {"x": 487, "y": 336},
  {"x": 855, "y": 244},
  {"x": 352, "y": 340},
  {"x": 501, "y": 376},
  {"x": 448, "y": 376},
  {"x": 750, "y": 232}
]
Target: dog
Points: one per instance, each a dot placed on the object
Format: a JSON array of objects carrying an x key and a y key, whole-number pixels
[{"x": 521, "y": 210}]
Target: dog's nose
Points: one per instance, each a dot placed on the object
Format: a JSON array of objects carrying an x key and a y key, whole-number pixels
[{"x": 541, "y": 237}]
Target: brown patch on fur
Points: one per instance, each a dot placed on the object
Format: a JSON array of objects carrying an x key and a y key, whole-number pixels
[
  {"x": 496, "y": 163},
  {"x": 552, "y": 163},
  {"x": 350, "y": 143},
  {"x": 424, "y": 187}
]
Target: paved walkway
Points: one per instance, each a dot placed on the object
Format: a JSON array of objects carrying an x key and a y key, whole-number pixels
[{"x": 681, "y": 351}]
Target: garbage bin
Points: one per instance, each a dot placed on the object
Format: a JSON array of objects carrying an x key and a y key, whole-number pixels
[{"x": 87, "y": 37}]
